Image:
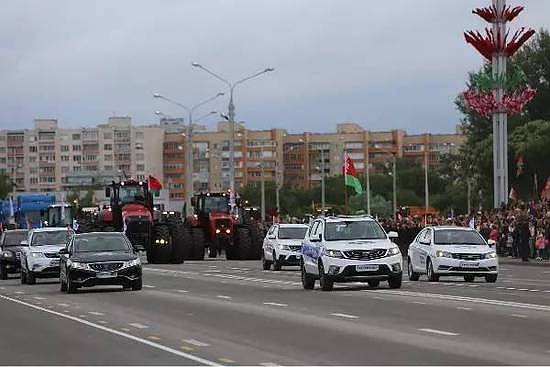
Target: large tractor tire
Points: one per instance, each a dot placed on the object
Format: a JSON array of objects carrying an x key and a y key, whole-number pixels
[
  {"x": 188, "y": 242},
  {"x": 257, "y": 242},
  {"x": 160, "y": 253},
  {"x": 245, "y": 244},
  {"x": 179, "y": 243},
  {"x": 198, "y": 244}
]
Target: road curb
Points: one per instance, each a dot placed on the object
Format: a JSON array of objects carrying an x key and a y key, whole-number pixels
[{"x": 531, "y": 262}]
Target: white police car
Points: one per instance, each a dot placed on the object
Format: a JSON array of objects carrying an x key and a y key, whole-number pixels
[
  {"x": 349, "y": 249},
  {"x": 451, "y": 251},
  {"x": 283, "y": 245}
]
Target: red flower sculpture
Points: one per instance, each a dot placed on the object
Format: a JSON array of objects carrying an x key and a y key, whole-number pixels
[
  {"x": 486, "y": 104},
  {"x": 489, "y": 44},
  {"x": 492, "y": 15},
  {"x": 519, "y": 38}
]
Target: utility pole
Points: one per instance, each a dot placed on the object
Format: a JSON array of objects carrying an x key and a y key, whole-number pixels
[
  {"x": 368, "y": 178},
  {"x": 469, "y": 193},
  {"x": 323, "y": 181},
  {"x": 262, "y": 185},
  {"x": 426, "y": 185},
  {"x": 394, "y": 176}
]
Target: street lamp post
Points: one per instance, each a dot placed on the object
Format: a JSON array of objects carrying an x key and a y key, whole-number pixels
[
  {"x": 189, "y": 142},
  {"x": 231, "y": 115}
]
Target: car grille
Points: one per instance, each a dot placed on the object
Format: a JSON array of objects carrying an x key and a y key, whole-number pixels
[
  {"x": 468, "y": 256},
  {"x": 295, "y": 247},
  {"x": 365, "y": 254},
  {"x": 106, "y": 266},
  {"x": 52, "y": 255}
]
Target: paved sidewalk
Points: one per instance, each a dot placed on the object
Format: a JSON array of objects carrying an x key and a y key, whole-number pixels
[{"x": 532, "y": 262}]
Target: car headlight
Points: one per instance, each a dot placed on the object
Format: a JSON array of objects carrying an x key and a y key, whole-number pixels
[
  {"x": 440, "y": 253},
  {"x": 77, "y": 265},
  {"x": 334, "y": 253},
  {"x": 491, "y": 255},
  {"x": 134, "y": 262},
  {"x": 37, "y": 254},
  {"x": 284, "y": 247},
  {"x": 393, "y": 251}
]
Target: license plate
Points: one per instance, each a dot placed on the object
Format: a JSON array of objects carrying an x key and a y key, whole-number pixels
[
  {"x": 469, "y": 265},
  {"x": 54, "y": 263},
  {"x": 106, "y": 274},
  {"x": 366, "y": 267}
]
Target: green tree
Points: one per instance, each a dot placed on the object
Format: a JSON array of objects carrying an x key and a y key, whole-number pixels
[{"x": 6, "y": 186}]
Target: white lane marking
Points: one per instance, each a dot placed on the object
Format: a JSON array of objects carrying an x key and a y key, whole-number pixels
[
  {"x": 500, "y": 287},
  {"x": 523, "y": 289},
  {"x": 510, "y": 288},
  {"x": 473, "y": 285},
  {"x": 464, "y": 308},
  {"x": 149, "y": 286},
  {"x": 377, "y": 297},
  {"x": 344, "y": 315},
  {"x": 116, "y": 332},
  {"x": 518, "y": 315},
  {"x": 271, "y": 364},
  {"x": 138, "y": 325},
  {"x": 196, "y": 343},
  {"x": 418, "y": 303},
  {"x": 449, "y": 297},
  {"x": 275, "y": 304},
  {"x": 182, "y": 291},
  {"x": 63, "y": 304},
  {"x": 534, "y": 290},
  {"x": 102, "y": 322},
  {"x": 19, "y": 292},
  {"x": 224, "y": 297},
  {"x": 40, "y": 298},
  {"x": 439, "y": 332},
  {"x": 96, "y": 313}
]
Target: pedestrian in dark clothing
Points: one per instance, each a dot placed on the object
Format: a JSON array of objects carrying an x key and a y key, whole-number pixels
[{"x": 523, "y": 236}]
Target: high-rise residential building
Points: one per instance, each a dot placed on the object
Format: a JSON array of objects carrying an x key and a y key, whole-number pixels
[{"x": 51, "y": 158}]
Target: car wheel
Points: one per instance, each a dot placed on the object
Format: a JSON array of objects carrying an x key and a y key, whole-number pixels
[
  {"x": 308, "y": 280},
  {"x": 62, "y": 285},
  {"x": 491, "y": 278},
  {"x": 137, "y": 284},
  {"x": 325, "y": 281},
  {"x": 432, "y": 276},
  {"x": 31, "y": 279},
  {"x": 23, "y": 276},
  {"x": 3, "y": 272},
  {"x": 469, "y": 278},
  {"x": 373, "y": 283},
  {"x": 276, "y": 262},
  {"x": 71, "y": 287},
  {"x": 395, "y": 282},
  {"x": 266, "y": 264},
  {"x": 412, "y": 275}
]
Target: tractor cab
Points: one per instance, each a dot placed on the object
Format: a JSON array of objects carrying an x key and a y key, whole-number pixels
[
  {"x": 206, "y": 203},
  {"x": 60, "y": 215}
]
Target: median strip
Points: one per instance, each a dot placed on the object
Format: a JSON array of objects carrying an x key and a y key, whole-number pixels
[
  {"x": 439, "y": 332},
  {"x": 345, "y": 316}
]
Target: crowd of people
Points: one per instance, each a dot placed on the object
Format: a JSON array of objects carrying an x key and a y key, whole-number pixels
[{"x": 520, "y": 230}]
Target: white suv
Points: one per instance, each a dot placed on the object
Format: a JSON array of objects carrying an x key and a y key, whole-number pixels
[
  {"x": 40, "y": 253},
  {"x": 451, "y": 251},
  {"x": 283, "y": 245},
  {"x": 349, "y": 249}
]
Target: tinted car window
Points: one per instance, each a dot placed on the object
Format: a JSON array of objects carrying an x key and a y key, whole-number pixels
[
  {"x": 291, "y": 233},
  {"x": 354, "y": 230},
  {"x": 456, "y": 236},
  {"x": 101, "y": 243},
  {"x": 50, "y": 238},
  {"x": 14, "y": 238}
]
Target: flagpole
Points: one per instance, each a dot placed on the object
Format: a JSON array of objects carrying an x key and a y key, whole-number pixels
[
  {"x": 346, "y": 202},
  {"x": 368, "y": 178}
]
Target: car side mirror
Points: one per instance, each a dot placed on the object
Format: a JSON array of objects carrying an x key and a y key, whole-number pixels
[
  {"x": 491, "y": 242},
  {"x": 271, "y": 237},
  {"x": 24, "y": 243},
  {"x": 393, "y": 234},
  {"x": 63, "y": 251},
  {"x": 317, "y": 239},
  {"x": 107, "y": 192}
]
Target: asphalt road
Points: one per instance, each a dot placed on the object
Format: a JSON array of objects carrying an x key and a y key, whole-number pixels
[{"x": 233, "y": 313}]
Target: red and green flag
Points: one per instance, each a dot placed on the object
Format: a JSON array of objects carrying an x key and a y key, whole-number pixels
[
  {"x": 154, "y": 184},
  {"x": 350, "y": 174}
]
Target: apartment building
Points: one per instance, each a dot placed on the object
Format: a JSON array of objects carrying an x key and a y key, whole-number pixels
[
  {"x": 50, "y": 158},
  {"x": 296, "y": 160}
]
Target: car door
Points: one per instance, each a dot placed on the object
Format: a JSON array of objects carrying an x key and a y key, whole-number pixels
[
  {"x": 308, "y": 248},
  {"x": 63, "y": 261},
  {"x": 268, "y": 245},
  {"x": 414, "y": 251},
  {"x": 25, "y": 251},
  {"x": 315, "y": 247},
  {"x": 424, "y": 246}
]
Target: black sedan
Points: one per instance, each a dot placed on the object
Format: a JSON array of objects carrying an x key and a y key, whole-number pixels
[
  {"x": 99, "y": 258},
  {"x": 10, "y": 251}
]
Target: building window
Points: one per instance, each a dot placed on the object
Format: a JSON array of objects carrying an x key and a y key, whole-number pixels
[
  {"x": 108, "y": 157},
  {"x": 107, "y": 136},
  {"x": 108, "y": 147},
  {"x": 77, "y": 148},
  {"x": 77, "y": 158},
  {"x": 139, "y": 146},
  {"x": 64, "y": 169},
  {"x": 34, "y": 180},
  {"x": 141, "y": 177},
  {"x": 90, "y": 157},
  {"x": 33, "y": 149},
  {"x": 76, "y": 136},
  {"x": 139, "y": 135},
  {"x": 140, "y": 156},
  {"x": 32, "y": 159},
  {"x": 108, "y": 168},
  {"x": 64, "y": 148},
  {"x": 140, "y": 167},
  {"x": 65, "y": 158},
  {"x": 76, "y": 169}
]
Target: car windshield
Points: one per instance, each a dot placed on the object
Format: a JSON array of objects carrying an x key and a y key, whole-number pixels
[
  {"x": 292, "y": 233},
  {"x": 101, "y": 243},
  {"x": 216, "y": 204},
  {"x": 457, "y": 236},
  {"x": 14, "y": 238},
  {"x": 354, "y": 230},
  {"x": 50, "y": 238},
  {"x": 132, "y": 194}
]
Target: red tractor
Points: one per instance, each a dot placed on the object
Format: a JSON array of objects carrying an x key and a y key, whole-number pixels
[
  {"x": 213, "y": 226},
  {"x": 131, "y": 211}
]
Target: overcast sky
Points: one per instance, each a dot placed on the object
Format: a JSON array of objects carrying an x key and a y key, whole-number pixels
[{"x": 385, "y": 64}]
